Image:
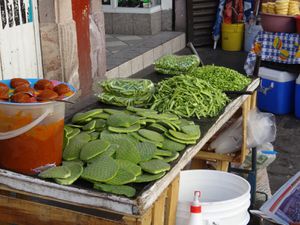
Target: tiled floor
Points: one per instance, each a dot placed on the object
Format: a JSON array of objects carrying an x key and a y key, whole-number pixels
[{"x": 133, "y": 53}]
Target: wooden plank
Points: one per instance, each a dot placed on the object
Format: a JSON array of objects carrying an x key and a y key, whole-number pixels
[
  {"x": 254, "y": 100},
  {"x": 213, "y": 156},
  {"x": 198, "y": 163},
  {"x": 19, "y": 211},
  {"x": 171, "y": 202},
  {"x": 146, "y": 219},
  {"x": 158, "y": 214},
  {"x": 222, "y": 165},
  {"x": 79, "y": 207},
  {"x": 130, "y": 220},
  {"x": 246, "y": 109},
  {"x": 72, "y": 195}
]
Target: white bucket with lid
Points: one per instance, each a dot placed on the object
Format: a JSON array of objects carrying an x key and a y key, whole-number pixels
[{"x": 225, "y": 197}]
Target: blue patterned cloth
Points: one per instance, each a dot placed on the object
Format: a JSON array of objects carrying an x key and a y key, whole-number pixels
[{"x": 274, "y": 47}]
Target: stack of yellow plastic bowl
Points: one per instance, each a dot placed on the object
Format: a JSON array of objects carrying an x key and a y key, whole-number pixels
[
  {"x": 282, "y": 7},
  {"x": 264, "y": 7},
  {"x": 294, "y": 8},
  {"x": 271, "y": 8}
]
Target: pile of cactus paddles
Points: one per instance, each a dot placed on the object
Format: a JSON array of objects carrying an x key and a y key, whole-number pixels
[{"x": 113, "y": 149}]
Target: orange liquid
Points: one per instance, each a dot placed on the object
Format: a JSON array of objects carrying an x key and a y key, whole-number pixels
[{"x": 38, "y": 147}]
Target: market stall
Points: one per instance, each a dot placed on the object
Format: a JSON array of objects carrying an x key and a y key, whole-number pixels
[{"x": 154, "y": 203}]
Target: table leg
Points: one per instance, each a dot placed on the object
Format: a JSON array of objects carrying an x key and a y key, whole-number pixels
[
  {"x": 198, "y": 164},
  {"x": 253, "y": 100},
  {"x": 158, "y": 214},
  {"x": 145, "y": 219},
  {"x": 171, "y": 203},
  {"x": 246, "y": 109},
  {"x": 222, "y": 165}
]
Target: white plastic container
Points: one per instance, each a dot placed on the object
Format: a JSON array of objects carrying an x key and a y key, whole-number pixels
[
  {"x": 225, "y": 197},
  {"x": 31, "y": 134}
]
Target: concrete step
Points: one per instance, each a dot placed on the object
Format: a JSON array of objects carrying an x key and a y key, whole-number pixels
[{"x": 126, "y": 57}]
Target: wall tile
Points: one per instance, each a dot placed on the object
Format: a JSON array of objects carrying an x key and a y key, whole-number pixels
[
  {"x": 113, "y": 73},
  {"x": 166, "y": 20},
  {"x": 148, "y": 58},
  {"x": 176, "y": 44},
  {"x": 157, "y": 52},
  {"x": 182, "y": 41},
  {"x": 137, "y": 64},
  {"x": 108, "y": 23},
  {"x": 122, "y": 23},
  {"x": 125, "y": 69},
  {"x": 142, "y": 24},
  {"x": 156, "y": 23},
  {"x": 167, "y": 48}
]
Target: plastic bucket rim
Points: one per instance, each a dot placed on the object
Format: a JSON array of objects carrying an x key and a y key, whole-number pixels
[
  {"x": 233, "y": 175},
  {"x": 239, "y": 198},
  {"x": 185, "y": 204},
  {"x": 248, "y": 188}
]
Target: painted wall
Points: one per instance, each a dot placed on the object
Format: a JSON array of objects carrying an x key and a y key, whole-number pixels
[
  {"x": 166, "y": 15},
  {"x": 166, "y": 4},
  {"x": 180, "y": 15},
  {"x": 19, "y": 39},
  {"x": 81, "y": 12},
  {"x": 58, "y": 41},
  {"x": 97, "y": 40}
]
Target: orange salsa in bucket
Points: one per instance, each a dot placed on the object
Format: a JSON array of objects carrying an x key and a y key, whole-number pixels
[{"x": 40, "y": 146}]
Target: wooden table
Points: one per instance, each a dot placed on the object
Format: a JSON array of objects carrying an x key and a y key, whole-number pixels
[{"x": 28, "y": 200}]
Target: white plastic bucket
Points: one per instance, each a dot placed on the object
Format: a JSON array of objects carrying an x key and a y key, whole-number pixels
[
  {"x": 34, "y": 138},
  {"x": 31, "y": 134},
  {"x": 225, "y": 197}
]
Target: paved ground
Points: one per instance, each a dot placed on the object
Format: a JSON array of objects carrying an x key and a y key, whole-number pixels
[{"x": 288, "y": 146}]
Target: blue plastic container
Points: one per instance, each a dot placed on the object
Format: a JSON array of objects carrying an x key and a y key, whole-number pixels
[
  {"x": 277, "y": 91},
  {"x": 297, "y": 98}
]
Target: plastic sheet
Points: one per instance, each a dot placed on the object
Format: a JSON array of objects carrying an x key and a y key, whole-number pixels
[
  {"x": 176, "y": 65},
  {"x": 126, "y": 92},
  {"x": 261, "y": 129}
]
